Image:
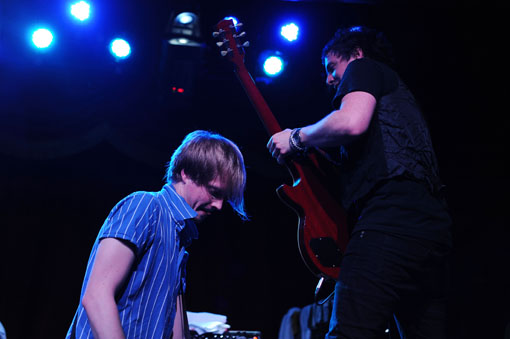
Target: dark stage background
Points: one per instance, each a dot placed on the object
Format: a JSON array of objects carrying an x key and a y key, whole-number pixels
[{"x": 79, "y": 131}]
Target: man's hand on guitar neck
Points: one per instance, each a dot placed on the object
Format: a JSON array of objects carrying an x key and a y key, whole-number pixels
[{"x": 279, "y": 146}]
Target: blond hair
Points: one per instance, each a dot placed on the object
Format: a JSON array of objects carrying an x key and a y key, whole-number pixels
[{"x": 205, "y": 156}]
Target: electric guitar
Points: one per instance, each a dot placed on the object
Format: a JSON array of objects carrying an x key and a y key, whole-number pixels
[{"x": 322, "y": 232}]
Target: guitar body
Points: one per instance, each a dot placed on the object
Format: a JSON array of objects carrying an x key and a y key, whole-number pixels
[{"x": 322, "y": 232}]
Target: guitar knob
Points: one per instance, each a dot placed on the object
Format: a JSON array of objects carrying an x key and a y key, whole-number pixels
[{"x": 246, "y": 44}]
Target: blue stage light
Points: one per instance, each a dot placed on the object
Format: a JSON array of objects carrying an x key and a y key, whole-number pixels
[
  {"x": 186, "y": 18},
  {"x": 42, "y": 38},
  {"x": 233, "y": 18},
  {"x": 290, "y": 32},
  {"x": 120, "y": 48},
  {"x": 80, "y": 10},
  {"x": 273, "y": 65}
]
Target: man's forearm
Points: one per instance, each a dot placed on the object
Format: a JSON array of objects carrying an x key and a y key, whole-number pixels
[
  {"x": 181, "y": 329},
  {"x": 111, "y": 267},
  {"x": 104, "y": 318}
]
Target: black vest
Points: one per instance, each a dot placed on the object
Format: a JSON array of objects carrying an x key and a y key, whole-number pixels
[{"x": 397, "y": 143}]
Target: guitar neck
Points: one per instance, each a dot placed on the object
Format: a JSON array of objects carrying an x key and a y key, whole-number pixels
[
  {"x": 256, "y": 98},
  {"x": 228, "y": 34}
]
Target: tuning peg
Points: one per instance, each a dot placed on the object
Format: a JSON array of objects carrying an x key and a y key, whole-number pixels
[
  {"x": 217, "y": 34},
  {"x": 245, "y": 44},
  {"x": 224, "y": 53},
  {"x": 236, "y": 26},
  {"x": 240, "y": 35},
  {"x": 220, "y": 43}
]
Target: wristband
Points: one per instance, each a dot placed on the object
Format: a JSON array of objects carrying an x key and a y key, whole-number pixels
[{"x": 295, "y": 141}]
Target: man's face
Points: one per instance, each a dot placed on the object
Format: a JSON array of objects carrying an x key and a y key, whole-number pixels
[
  {"x": 204, "y": 199},
  {"x": 335, "y": 68}
]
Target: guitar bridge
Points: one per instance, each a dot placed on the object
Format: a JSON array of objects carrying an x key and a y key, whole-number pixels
[{"x": 326, "y": 251}]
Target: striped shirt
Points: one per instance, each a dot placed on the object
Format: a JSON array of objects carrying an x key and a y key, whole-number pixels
[{"x": 159, "y": 226}]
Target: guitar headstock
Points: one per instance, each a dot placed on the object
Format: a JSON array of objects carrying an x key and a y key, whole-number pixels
[{"x": 229, "y": 41}]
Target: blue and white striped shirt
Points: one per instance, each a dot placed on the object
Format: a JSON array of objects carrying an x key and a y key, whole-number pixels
[{"x": 159, "y": 226}]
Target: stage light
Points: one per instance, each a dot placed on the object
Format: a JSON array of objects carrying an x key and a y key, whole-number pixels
[
  {"x": 186, "y": 18},
  {"x": 273, "y": 65},
  {"x": 42, "y": 38},
  {"x": 80, "y": 10},
  {"x": 290, "y": 32},
  {"x": 233, "y": 18},
  {"x": 184, "y": 30},
  {"x": 120, "y": 48}
]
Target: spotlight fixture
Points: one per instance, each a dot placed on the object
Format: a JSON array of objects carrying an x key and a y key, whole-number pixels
[
  {"x": 290, "y": 32},
  {"x": 120, "y": 48},
  {"x": 42, "y": 38},
  {"x": 272, "y": 63},
  {"x": 185, "y": 18},
  {"x": 80, "y": 10},
  {"x": 184, "y": 30}
]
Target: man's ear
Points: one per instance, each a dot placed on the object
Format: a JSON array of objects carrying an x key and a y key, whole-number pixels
[
  {"x": 184, "y": 177},
  {"x": 358, "y": 53}
]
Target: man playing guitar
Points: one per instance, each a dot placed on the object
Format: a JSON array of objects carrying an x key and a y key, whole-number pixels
[{"x": 395, "y": 263}]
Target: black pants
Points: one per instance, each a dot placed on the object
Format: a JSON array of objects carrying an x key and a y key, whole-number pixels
[{"x": 383, "y": 276}]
